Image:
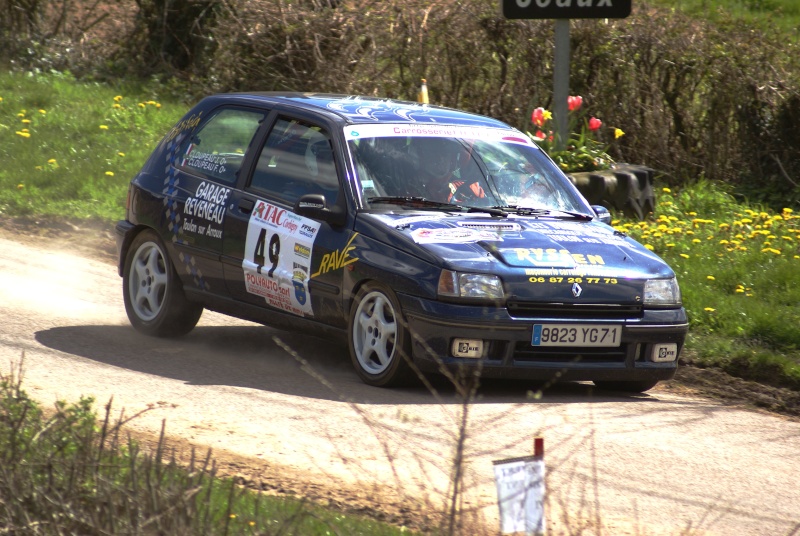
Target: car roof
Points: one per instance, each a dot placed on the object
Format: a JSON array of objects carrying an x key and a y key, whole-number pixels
[{"x": 359, "y": 109}]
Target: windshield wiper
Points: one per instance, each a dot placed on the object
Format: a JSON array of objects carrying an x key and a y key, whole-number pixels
[
  {"x": 416, "y": 202},
  {"x": 422, "y": 202},
  {"x": 530, "y": 211}
]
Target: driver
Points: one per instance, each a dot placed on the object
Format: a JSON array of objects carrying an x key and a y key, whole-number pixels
[{"x": 449, "y": 172}]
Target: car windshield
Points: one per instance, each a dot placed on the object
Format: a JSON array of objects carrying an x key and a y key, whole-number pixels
[{"x": 487, "y": 168}]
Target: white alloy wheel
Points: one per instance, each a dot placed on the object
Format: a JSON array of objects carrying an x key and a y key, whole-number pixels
[
  {"x": 378, "y": 338},
  {"x": 154, "y": 297}
]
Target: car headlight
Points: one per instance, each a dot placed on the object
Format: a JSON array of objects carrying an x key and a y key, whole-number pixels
[
  {"x": 475, "y": 286},
  {"x": 662, "y": 292}
]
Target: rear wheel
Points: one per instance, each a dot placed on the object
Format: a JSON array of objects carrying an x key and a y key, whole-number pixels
[
  {"x": 380, "y": 344},
  {"x": 627, "y": 387},
  {"x": 154, "y": 298}
]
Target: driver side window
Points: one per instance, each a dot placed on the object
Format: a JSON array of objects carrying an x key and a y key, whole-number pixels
[{"x": 297, "y": 159}]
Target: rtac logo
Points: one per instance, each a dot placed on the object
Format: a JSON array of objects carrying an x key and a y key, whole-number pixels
[{"x": 566, "y": 9}]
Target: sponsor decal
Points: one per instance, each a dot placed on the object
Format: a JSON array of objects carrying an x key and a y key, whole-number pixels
[
  {"x": 451, "y": 235},
  {"x": 302, "y": 250},
  {"x": 277, "y": 257},
  {"x": 208, "y": 207},
  {"x": 337, "y": 259},
  {"x": 187, "y": 124},
  {"x": 574, "y": 280},
  {"x": 433, "y": 130}
]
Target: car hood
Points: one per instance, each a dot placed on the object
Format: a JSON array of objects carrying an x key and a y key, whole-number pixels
[{"x": 540, "y": 258}]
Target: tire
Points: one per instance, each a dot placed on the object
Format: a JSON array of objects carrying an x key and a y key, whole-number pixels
[
  {"x": 379, "y": 341},
  {"x": 627, "y": 387},
  {"x": 153, "y": 293}
]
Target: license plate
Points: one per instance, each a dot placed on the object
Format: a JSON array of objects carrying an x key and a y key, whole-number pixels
[{"x": 576, "y": 335}]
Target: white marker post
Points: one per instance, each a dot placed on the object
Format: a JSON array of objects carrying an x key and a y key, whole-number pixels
[{"x": 521, "y": 492}]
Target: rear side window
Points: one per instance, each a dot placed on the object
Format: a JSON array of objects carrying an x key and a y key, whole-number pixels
[{"x": 217, "y": 148}]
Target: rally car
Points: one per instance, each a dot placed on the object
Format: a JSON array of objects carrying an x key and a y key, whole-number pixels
[{"x": 435, "y": 240}]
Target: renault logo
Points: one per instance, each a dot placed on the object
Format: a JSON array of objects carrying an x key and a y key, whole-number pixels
[{"x": 576, "y": 290}]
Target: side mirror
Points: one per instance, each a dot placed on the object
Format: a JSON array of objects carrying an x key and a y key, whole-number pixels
[
  {"x": 315, "y": 206},
  {"x": 602, "y": 214}
]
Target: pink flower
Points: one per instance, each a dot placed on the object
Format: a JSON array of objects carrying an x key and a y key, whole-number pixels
[
  {"x": 573, "y": 103},
  {"x": 539, "y": 134},
  {"x": 595, "y": 124}
]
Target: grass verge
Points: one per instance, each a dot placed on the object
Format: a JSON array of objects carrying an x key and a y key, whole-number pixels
[{"x": 70, "y": 473}]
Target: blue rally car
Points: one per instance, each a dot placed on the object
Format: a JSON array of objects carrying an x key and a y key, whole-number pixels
[{"x": 434, "y": 239}]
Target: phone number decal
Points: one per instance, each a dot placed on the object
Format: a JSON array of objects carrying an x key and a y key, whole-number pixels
[{"x": 570, "y": 280}]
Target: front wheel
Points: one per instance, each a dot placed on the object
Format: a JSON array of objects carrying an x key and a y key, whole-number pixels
[
  {"x": 379, "y": 341},
  {"x": 627, "y": 387},
  {"x": 154, "y": 298}
]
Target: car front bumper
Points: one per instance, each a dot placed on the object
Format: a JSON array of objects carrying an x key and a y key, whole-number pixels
[{"x": 508, "y": 351}]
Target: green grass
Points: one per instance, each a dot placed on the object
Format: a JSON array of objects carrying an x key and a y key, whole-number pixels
[
  {"x": 70, "y": 148},
  {"x": 767, "y": 14},
  {"x": 737, "y": 266}
]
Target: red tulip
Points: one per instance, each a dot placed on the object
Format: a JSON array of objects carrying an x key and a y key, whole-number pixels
[
  {"x": 573, "y": 103},
  {"x": 595, "y": 124},
  {"x": 540, "y": 116}
]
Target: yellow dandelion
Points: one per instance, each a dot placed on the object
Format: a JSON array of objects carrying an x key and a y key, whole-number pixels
[
  {"x": 233, "y": 516},
  {"x": 117, "y": 106},
  {"x": 711, "y": 278},
  {"x": 103, "y": 127},
  {"x": 671, "y": 245},
  {"x": 618, "y": 133},
  {"x": 21, "y": 114},
  {"x": 739, "y": 291},
  {"x": 109, "y": 173},
  {"x": 723, "y": 242},
  {"x": 785, "y": 210},
  {"x": 118, "y": 98},
  {"x": 709, "y": 309},
  {"x": 43, "y": 112},
  {"x": 23, "y": 134},
  {"x": 696, "y": 241},
  {"x": 666, "y": 190},
  {"x": 38, "y": 168},
  {"x": 141, "y": 105},
  {"x": 26, "y": 121},
  {"x": 648, "y": 246},
  {"x": 121, "y": 153},
  {"x": 693, "y": 214},
  {"x": 51, "y": 161},
  {"x": 158, "y": 105},
  {"x": 684, "y": 255},
  {"x": 151, "y": 102},
  {"x": 20, "y": 186}
]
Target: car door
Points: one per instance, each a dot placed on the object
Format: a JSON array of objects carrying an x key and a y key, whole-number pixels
[
  {"x": 203, "y": 173},
  {"x": 273, "y": 256}
]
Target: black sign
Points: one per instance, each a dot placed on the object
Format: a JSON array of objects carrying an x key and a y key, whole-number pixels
[{"x": 566, "y": 9}]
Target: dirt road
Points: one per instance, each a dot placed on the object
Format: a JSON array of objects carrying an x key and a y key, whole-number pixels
[{"x": 661, "y": 463}]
